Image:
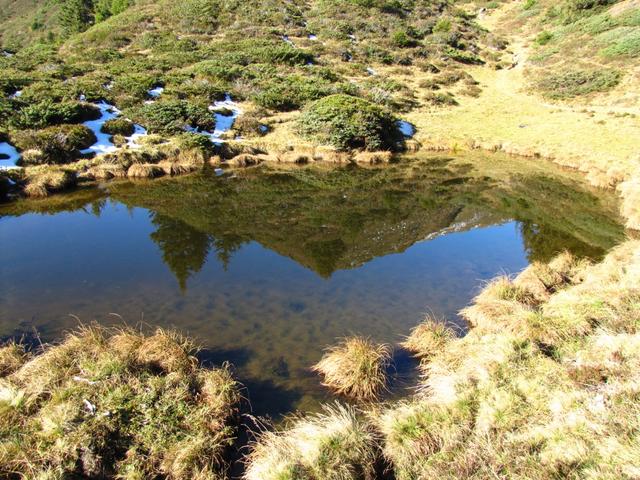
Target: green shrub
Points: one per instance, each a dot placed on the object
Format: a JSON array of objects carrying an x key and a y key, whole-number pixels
[
  {"x": 118, "y": 126},
  {"x": 170, "y": 117},
  {"x": 194, "y": 141},
  {"x": 48, "y": 113},
  {"x": 544, "y": 37},
  {"x": 441, "y": 99},
  {"x": 623, "y": 42},
  {"x": 443, "y": 25},
  {"x": 349, "y": 122},
  {"x": 402, "y": 39},
  {"x": 574, "y": 83},
  {"x": 53, "y": 145}
]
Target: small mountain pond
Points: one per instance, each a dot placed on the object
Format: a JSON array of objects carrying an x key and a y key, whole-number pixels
[{"x": 268, "y": 266}]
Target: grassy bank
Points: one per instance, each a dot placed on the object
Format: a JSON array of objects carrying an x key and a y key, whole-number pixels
[
  {"x": 544, "y": 386},
  {"x": 114, "y": 404}
]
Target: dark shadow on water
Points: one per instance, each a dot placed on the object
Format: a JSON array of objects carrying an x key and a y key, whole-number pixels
[{"x": 215, "y": 357}]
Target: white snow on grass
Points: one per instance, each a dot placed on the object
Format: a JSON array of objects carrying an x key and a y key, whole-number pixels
[
  {"x": 371, "y": 71},
  {"x": 8, "y": 156},
  {"x": 406, "y": 128},
  {"x": 155, "y": 92},
  {"x": 16, "y": 94},
  {"x": 104, "y": 143},
  {"x": 223, "y": 122},
  {"x": 313, "y": 37}
]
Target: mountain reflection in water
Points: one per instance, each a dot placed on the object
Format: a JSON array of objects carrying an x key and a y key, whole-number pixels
[{"x": 269, "y": 265}]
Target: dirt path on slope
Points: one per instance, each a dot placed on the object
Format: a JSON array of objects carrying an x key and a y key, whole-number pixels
[{"x": 507, "y": 116}]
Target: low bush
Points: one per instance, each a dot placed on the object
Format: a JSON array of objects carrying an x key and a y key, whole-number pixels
[
  {"x": 172, "y": 116},
  {"x": 349, "y": 122},
  {"x": 118, "y": 126},
  {"x": 573, "y": 83},
  {"x": 441, "y": 99},
  {"x": 57, "y": 144},
  {"x": 49, "y": 113}
]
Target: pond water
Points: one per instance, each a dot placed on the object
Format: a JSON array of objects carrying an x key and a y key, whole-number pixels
[{"x": 266, "y": 267}]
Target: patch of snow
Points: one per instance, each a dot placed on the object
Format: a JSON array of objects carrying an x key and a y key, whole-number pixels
[
  {"x": 352, "y": 37},
  {"x": 223, "y": 122},
  {"x": 313, "y": 37},
  {"x": 108, "y": 86},
  {"x": 7, "y": 54},
  {"x": 218, "y": 171},
  {"x": 285, "y": 38},
  {"x": 371, "y": 71},
  {"x": 83, "y": 97},
  {"x": 8, "y": 150},
  {"x": 138, "y": 132},
  {"x": 16, "y": 94},
  {"x": 155, "y": 92},
  {"x": 104, "y": 143},
  {"x": 406, "y": 128}
]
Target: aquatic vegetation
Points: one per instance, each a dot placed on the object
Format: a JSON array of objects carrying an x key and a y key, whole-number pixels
[
  {"x": 336, "y": 444},
  {"x": 356, "y": 367},
  {"x": 114, "y": 403}
]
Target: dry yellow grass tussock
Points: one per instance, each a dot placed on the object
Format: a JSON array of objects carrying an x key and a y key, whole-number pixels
[
  {"x": 144, "y": 170},
  {"x": 550, "y": 390},
  {"x": 356, "y": 368},
  {"x": 428, "y": 338},
  {"x": 333, "y": 445}
]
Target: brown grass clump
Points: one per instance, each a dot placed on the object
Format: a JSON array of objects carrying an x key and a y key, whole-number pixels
[
  {"x": 428, "y": 338},
  {"x": 42, "y": 183},
  {"x": 116, "y": 404},
  {"x": 356, "y": 368},
  {"x": 333, "y": 445},
  {"x": 144, "y": 170},
  {"x": 244, "y": 160},
  {"x": 107, "y": 171},
  {"x": 12, "y": 357},
  {"x": 538, "y": 390},
  {"x": 373, "y": 157},
  {"x": 331, "y": 154},
  {"x": 167, "y": 351},
  {"x": 296, "y": 157}
]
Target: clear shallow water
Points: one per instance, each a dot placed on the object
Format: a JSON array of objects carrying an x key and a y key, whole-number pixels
[{"x": 266, "y": 268}]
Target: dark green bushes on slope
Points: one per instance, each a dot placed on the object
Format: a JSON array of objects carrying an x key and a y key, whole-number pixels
[
  {"x": 349, "y": 122},
  {"x": 572, "y": 83},
  {"x": 171, "y": 117},
  {"x": 48, "y": 113},
  {"x": 57, "y": 144}
]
